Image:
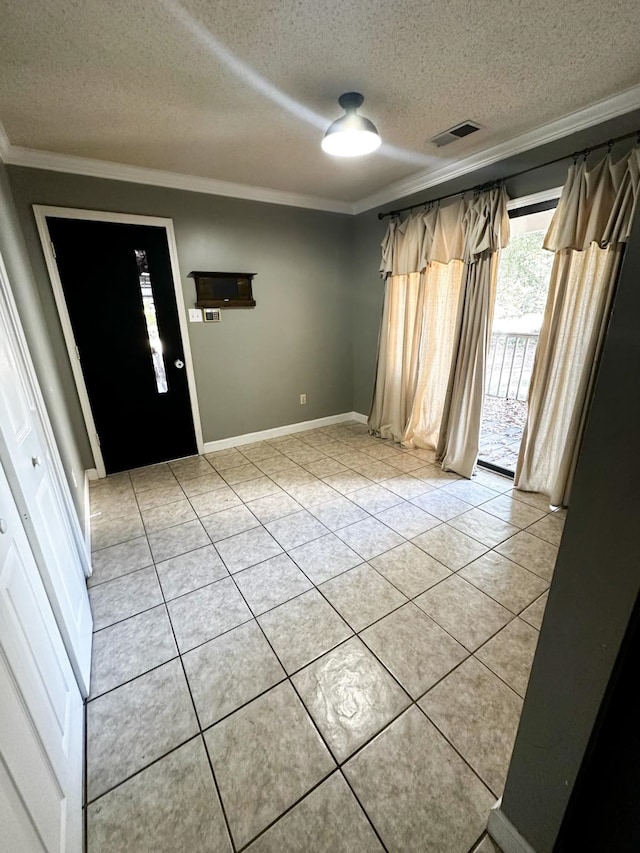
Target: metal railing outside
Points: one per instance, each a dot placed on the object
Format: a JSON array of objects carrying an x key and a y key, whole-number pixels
[{"x": 510, "y": 362}]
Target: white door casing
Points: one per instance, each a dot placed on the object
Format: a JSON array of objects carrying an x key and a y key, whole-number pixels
[
  {"x": 41, "y": 712},
  {"x": 30, "y": 467},
  {"x": 41, "y": 213}
]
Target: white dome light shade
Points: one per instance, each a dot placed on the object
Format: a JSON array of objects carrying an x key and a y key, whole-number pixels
[{"x": 351, "y": 135}]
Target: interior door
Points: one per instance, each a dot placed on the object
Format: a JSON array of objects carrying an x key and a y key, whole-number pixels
[
  {"x": 41, "y": 715},
  {"x": 28, "y": 465},
  {"x": 118, "y": 287}
]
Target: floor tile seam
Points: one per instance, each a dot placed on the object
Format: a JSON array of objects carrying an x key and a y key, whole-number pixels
[
  {"x": 359, "y": 802},
  {"x": 286, "y": 811},
  {"x": 401, "y": 500},
  {"x": 493, "y": 598},
  {"x": 369, "y": 740},
  {"x": 522, "y": 565},
  {"x": 130, "y": 616},
  {"x": 149, "y": 532},
  {"x": 120, "y": 542},
  {"x": 475, "y": 538},
  {"x": 484, "y": 834},
  {"x": 487, "y": 545},
  {"x": 458, "y": 753},
  {"x": 339, "y": 764},
  {"x": 364, "y": 561},
  {"x": 181, "y": 652},
  {"x": 289, "y": 675},
  {"x": 545, "y": 514},
  {"x": 497, "y": 674},
  {"x": 370, "y": 624},
  {"x": 372, "y": 556},
  {"x": 151, "y": 565},
  {"x": 541, "y": 538},
  {"x": 500, "y": 679},
  {"x": 289, "y": 678},
  {"x": 455, "y": 571},
  {"x": 326, "y": 651},
  {"x": 281, "y": 680},
  {"x": 536, "y": 600},
  {"x": 415, "y": 500},
  {"x": 460, "y": 643},
  {"x": 240, "y": 571},
  {"x": 148, "y": 488},
  {"x": 413, "y": 702},
  {"x": 299, "y": 544},
  {"x": 140, "y": 770},
  {"x": 180, "y": 477},
  {"x": 133, "y": 678},
  {"x": 96, "y": 584},
  {"x": 410, "y": 598},
  {"x": 354, "y": 634},
  {"x": 198, "y": 723}
]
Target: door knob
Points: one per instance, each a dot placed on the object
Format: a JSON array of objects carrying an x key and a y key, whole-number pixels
[
  {"x": 3, "y": 525},
  {"x": 179, "y": 364},
  {"x": 36, "y": 461}
]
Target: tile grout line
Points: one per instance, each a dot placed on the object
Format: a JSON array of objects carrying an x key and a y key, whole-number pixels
[
  {"x": 317, "y": 586},
  {"x": 354, "y": 634},
  {"x": 197, "y": 717},
  {"x": 289, "y": 679}
]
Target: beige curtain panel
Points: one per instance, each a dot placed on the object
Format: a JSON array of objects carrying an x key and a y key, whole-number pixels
[
  {"x": 422, "y": 288},
  {"x": 487, "y": 231},
  {"x": 589, "y": 229},
  {"x": 427, "y": 318}
]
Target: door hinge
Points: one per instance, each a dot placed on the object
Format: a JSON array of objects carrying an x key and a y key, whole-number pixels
[
  {"x": 53, "y": 249},
  {"x": 78, "y": 353},
  {"x": 98, "y": 440}
]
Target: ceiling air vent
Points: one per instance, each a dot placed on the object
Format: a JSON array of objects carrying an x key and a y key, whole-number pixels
[{"x": 455, "y": 132}]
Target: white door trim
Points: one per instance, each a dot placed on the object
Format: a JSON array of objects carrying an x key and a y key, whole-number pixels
[
  {"x": 10, "y": 311},
  {"x": 41, "y": 212}
]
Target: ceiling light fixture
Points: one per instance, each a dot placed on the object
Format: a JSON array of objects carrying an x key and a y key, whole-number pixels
[{"x": 351, "y": 135}]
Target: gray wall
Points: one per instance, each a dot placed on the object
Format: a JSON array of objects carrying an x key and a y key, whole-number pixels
[
  {"x": 70, "y": 433},
  {"x": 595, "y": 584},
  {"x": 251, "y": 368},
  {"x": 368, "y": 290}
]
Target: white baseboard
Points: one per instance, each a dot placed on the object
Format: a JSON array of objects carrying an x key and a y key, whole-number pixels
[
  {"x": 92, "y": 474},
  {"x": 505, "y": 834},
  {"x": 276, "y": 432}
]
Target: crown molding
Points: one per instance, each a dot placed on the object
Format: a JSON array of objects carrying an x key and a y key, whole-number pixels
[
  {"x": 582, "y": 119},
  {"x": 594, "y": 114},
  {"x": 55, "y": 162}
]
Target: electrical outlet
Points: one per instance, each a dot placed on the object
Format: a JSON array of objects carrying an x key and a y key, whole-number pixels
[
  {"x": 303, "y": 399},
  {"x": 195, "y": 315}
]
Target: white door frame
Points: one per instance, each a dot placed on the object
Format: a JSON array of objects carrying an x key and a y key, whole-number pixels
[
  {"x": 41, "y": 212},
  {"x": 10, "y": 311}
]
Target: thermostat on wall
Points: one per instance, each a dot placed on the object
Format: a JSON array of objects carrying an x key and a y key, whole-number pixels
[{"x": 212, "y": 315}]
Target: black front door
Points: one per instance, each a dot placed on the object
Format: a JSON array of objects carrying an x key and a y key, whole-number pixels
[{"x": 119, "y": 292}]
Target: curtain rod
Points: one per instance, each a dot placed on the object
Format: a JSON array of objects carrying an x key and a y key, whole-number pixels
[{"x": 490, "y": 184}]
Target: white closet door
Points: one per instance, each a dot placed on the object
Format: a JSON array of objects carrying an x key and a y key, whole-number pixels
[
  {"x": 30, "y": 470},
  {"x": 41, "y": 715}
]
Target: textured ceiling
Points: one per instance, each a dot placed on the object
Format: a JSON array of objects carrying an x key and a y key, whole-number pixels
[{"x": 241, "y": 90}]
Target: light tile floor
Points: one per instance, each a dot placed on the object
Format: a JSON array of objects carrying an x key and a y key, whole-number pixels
[{"x": 316, "y": 643}]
